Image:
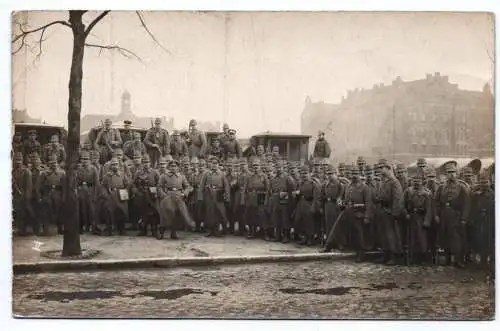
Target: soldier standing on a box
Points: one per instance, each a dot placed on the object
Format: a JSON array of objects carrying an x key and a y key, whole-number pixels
[
  {"x": 157, "y": 143},
  {"x": 107, "y": 140}
]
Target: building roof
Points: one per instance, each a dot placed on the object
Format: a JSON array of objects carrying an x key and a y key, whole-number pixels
[
  {"x": 280, "y": 135},
  {"x": 43, "y": 125}
]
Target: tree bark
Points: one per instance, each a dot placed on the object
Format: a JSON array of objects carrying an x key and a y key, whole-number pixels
[{"x": 71, "y": 242}]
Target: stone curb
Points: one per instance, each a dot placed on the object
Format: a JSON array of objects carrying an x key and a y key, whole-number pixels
[{"x": 96, "y": 265}]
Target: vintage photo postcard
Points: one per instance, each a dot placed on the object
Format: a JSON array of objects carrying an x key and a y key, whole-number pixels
[{"x": 253, "y": 165}]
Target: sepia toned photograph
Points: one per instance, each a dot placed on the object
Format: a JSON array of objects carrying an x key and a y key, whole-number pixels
[{"x": 253, "y": 165}]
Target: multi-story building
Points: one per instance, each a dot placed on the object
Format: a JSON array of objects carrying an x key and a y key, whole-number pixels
[{"x": 429, "y": 117}]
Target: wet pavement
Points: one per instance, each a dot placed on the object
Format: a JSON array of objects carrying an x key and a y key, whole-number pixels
[{"x": 317, "y": 290}]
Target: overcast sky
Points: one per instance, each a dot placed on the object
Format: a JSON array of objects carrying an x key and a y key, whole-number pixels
[{"x": 273, "y": 61}]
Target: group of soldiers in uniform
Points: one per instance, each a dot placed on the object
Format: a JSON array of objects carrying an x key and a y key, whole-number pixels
[{"x": 169, "y": 183}]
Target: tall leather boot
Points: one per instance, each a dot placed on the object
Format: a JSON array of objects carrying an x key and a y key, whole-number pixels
[
  {"x": 286, "y": 236},
  {"x": 160, "y": 233}
]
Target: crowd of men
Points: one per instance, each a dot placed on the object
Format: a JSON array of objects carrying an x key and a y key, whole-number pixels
[{"x": 170, "y": 183}]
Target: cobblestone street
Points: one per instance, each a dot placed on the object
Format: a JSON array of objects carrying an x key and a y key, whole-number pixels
[{"x": 339, "y": 289}]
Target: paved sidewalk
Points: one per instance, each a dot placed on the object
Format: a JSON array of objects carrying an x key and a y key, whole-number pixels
[{"x": 131, "y": 247}]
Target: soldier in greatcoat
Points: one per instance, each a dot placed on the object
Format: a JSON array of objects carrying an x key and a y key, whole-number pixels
[
  {"x": 146, "y": 197},
  {"x": 175, "y": 189},
  {"x": 333, "y": 196},
  {"x": 127, "y": 134},
  {"x": 231, "y": 146},
  {"x": 134, "y": 146},
  {"x": 216, "y": 149},
  {"x": 391, "y": 204},
  {"x": 224, "y": 136},
  {"x": 433, "y": 231},
  {"x": 157, "y": 143},
  {"x": 32, "y": 145},
  {"x": 308, "y": 206},
  {"x": 232, "y": 178},
  {"x": 322, "y": 148},
  {"x": 452, "y": 211},
  {"x": 163, "y": 169},
  {"x": 470, "y": 178},
  {"x": 418, "y": 208},
  {"x": 17, "y": 144},
  {"x": 282, "y": 186},
  {"x": 178, "y": 147},
  {"x": 22, "y": 191},
  {"x": 197, "y": 141},
  {"x": 195, "y": 205},
  {"x": 87, "y": 189},
  {"x": 255, "y": 199},
  {"x": 36, "y": 169},
  {"x": 108, "y": 139},
  {"x": 51, "y": 187},
  {"x": 116, "y": 186},
  {"x": 54, "y": 148},
  {"x": 124, "y": 169},
  {"x": 216, "y": 191},
  {"x": 358, "y": 214},
  {"x": 483, "y": 211},
  {"x": 239, "y": 209}
]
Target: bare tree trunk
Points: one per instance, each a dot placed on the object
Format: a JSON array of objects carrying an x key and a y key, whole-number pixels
[{"x": 71, "y": 243}]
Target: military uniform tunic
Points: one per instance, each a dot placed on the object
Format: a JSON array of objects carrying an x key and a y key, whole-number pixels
[
  {"x": 54, "y": 149},
  {"x": 106, "y": 142},
  {"x": 322, "y": 149},
  {"x": 198, "y": 144},
  {"x": 281, "y": 188},
  {"x": 115, "y": 208},
  {"x": 178, "y": 149},
  {"x": 158, "y": 137},
  {"x": 232, "y": 149},
  {"x": 30, "y": 147},
  {"x": 256, "y": 198},
  {"x": 133, "y": 147}
]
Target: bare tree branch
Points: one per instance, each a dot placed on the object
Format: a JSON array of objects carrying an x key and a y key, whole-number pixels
[
  {"x": 123, "y": 51},
  {"x": 25, "y": 33},
  {"x": 151, "y": 34},
  {"x": 95, "y": 21}
]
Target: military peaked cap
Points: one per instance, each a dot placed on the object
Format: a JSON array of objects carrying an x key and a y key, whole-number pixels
[{"x": 383, "y": 163}]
